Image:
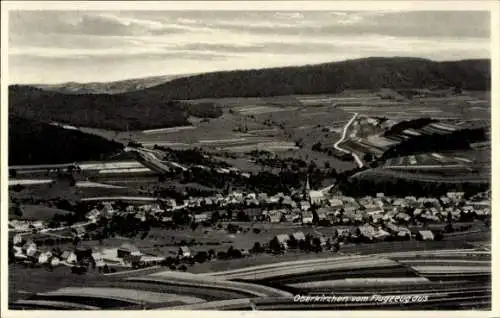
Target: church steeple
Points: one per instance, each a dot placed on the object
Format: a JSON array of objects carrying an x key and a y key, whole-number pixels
[{"x": 307, "y": 189}]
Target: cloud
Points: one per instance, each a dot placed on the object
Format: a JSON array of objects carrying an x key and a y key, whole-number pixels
[{"x": 57, "y": 44}]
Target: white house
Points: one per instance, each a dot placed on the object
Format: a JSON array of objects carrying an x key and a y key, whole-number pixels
[
  {"x": 184, "y": 251},
  {"x": 202, "y": 217},
  {"x": 316, "y": 197},
  {"x": 307, "y": 218},
  {"x": 304, "y": 205},
  {"x": 18, "y": 239}
]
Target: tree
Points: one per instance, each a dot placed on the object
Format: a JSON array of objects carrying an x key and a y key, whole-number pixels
[
  {"x": 242, "y": 216},
  {"x": 316, "y": 146},
  {"x": 215, "y": 216},
  {"x": 201, "y": 257},
  {"x": 257, "y": 248}
]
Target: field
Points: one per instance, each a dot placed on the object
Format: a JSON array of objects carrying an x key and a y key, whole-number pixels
[
  {"x": 431, "y": 267},
  {"x": 37, "y": 212}
]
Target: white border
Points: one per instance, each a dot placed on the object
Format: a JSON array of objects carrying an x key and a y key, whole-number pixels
[{"x": 492, "y": 6}]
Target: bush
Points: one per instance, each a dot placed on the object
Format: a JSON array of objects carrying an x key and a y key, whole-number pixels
[{"x": 256, "y": 231}]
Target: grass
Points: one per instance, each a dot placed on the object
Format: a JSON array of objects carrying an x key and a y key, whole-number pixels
[{"x": 39, "y": 212}]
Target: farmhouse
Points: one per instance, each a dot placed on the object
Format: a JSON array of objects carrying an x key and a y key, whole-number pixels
[
  {"x": 126, "y": 249},
  {"x": 184, "y": 251},
  {"x": 425, "y": 235},
  {"x": 298, "y": 236},
  {"x": 307, "y": 218},
  {"x": 282, "y": 240}
]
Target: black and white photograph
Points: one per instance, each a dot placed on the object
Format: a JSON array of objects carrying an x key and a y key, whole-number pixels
[{"x": 262, "y": 158}]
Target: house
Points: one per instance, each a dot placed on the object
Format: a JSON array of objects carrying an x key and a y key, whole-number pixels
[
  {"x": 336, "y": 203},
  {"x": 167, "y": 219},
  {"x": 37, "y": 224},
  {"x": 425, "y": 235},
  {"x": 44, "y": 257},
  {"x": 126, "y": 249},
  {"x": 298, "y": 236},
  {"x": 251, "y": 196},
  {"x": 275, "y": 216},
  {"x": 316, "y": 197},
  {"x": 93, "y": 215},
  {"x": 184, "y": 251},
  {"x": 69, "y": 257},
  {"x": 307, "y": 218},
  {"x": 237, "y": 195},
  {"x": 262, "y": 197},
  {"x": 202, "y": 217},
  {"x": 107, "y": 209},
  {"x": 282, "y": 240},
  {"x": 252, "y": 202},
  {"x": 54, "y": 261},
  {"x": 374, "y": 210},
  {"x": 455, "y": 195},
  {"x": 290, "y": 217},
  {"x": 381, "y": 234},
  {"x": 80, "y": 231},
  {"x": 322, "y": 213},
  {"x": 343, "y": 232},
  {"x": 17, "y": 240},
  {"x": 305, "y": 206},
  {"x": 366, "y": 231},
  {"x": 289, "y": 202},
  {"x": 30, "y": 248},
  {"x": 403, "y": 217},
  {"x": 98, "y": 259}
]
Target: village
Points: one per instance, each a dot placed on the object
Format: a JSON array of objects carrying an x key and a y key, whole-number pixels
[{"x": 305, "y": 221}]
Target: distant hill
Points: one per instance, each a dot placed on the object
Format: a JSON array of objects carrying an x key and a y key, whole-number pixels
[
  {"x": 154, "y": 107},
  {"x": 31, "y": 143},
  {"x": 115, "y": 87},
  {"x": 133, "y": 111},
  {"x": 368, "y": 73}
]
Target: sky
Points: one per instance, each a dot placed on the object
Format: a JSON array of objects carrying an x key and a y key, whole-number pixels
[{"x": 99, "y": 46}]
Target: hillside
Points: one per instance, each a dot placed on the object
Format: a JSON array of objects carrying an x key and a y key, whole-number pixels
[
  {"x": 32, "y": 143},
  {"x": 155, "y": 107},
  {"x": 369, "y": 73},
  {"x": 144, "y": 110},
  {"x": 115, "y": 87}
]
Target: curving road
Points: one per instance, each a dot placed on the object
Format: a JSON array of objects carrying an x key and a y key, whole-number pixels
[{"x": 358, "y": 160}]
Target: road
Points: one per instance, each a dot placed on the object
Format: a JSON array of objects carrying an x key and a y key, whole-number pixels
[{"x": 358, "y": 160}]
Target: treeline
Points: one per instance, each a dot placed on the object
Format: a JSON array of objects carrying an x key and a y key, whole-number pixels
[
  {"x": 401, "y": 187},
  {"x": 460, "y": 139},
  {"x": 366, "y": 73},
  {"x": 408, "y": 124},
  {"x": 203, "y": 110},
  {"x": 32, "y": 142},
  {"x": 128, "y": 111},
  {"x": 192, "y": 156}
]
